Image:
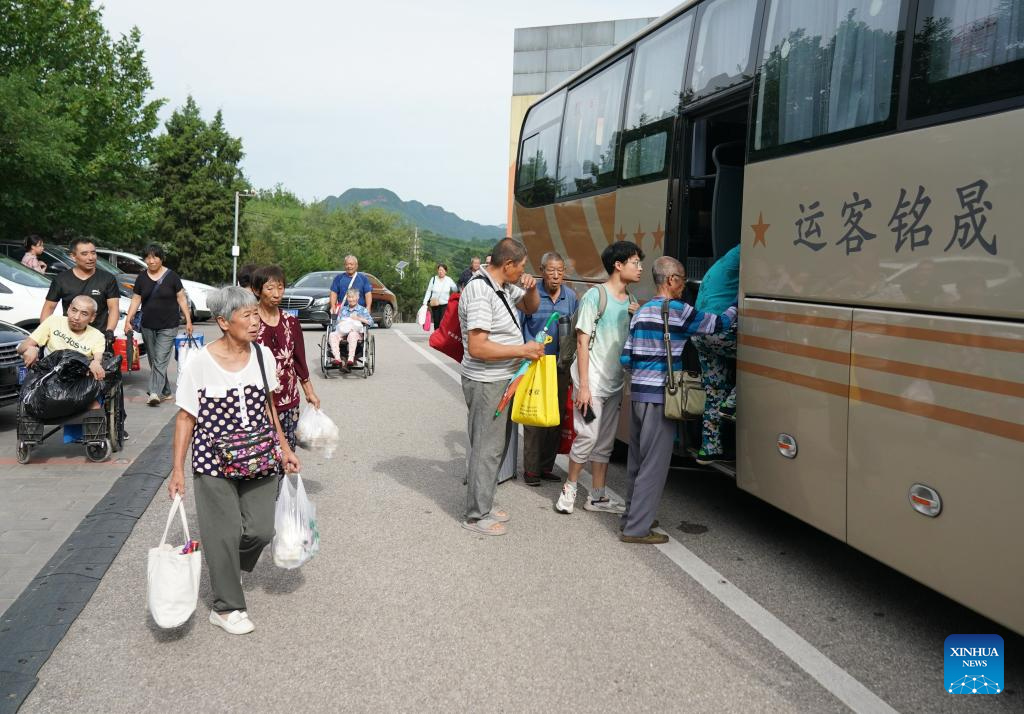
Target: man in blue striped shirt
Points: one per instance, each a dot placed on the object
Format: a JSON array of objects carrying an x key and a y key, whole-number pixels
[
  {"x": 541, "y": 442},
  {"x": 645, "y": 359}
]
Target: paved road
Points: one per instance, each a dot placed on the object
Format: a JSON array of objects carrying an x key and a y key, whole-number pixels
[{"x": 403, "y": 610}]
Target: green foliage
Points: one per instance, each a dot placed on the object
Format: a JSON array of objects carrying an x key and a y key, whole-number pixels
[
  {"x": 75, "y": 124},
  {"x": 195, "y": 176},
  {"x": 278, "y": 228}
]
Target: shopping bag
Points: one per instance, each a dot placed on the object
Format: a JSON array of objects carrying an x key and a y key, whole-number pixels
[
  {"x": 568, "y": 432},
  {"x": 447, "y": 338},
  {"x": 188, "y": 350},
  {"x": 296, "y": 538},
  {"x": 423, "y": 318},
  {"x": 172, "y": 575},
  {"x": 316, "y": 431},
  {"x": 536, "y": 400}
]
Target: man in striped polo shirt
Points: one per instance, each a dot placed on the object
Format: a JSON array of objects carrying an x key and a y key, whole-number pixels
[
  {"x": 493, "y": 340},
  {"x": 644, "y": 358}
]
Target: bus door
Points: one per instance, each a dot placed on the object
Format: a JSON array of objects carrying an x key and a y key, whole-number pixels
[{"x": 706, "y": 211}]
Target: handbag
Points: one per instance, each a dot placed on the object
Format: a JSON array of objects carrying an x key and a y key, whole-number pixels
[
  {"x": 172, "y": 575},
  {"x": 137, "y": 320},
  {"x": 683, "y": 399},
  {"x": 433, "y": 302},
  {"x": 251, "y": 454},
  {"x": 536, "y": 399}
]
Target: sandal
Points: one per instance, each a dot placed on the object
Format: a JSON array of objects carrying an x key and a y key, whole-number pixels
[{"x": 485, "y": 526}]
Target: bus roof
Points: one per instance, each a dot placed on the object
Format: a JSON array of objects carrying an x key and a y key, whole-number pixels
[{"x": 632, "y": 39}]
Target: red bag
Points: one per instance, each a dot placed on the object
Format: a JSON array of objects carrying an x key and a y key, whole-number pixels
[
  {"x": 568, "y": 428},
  {"x": 448, "y": 337}
]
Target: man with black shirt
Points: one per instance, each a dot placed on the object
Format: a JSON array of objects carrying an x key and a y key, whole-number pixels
[{"x": 85, "y": 279}]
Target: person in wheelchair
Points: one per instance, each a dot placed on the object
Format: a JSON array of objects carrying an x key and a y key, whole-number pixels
[
  {"x": 352, "y": 321},
  {"x": 70, "y": 332}
]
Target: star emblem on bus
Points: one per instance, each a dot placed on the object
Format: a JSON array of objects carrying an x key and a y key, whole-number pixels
[
  {"x": 658, "y": 235},
  {"x": 760, "y": 228}
]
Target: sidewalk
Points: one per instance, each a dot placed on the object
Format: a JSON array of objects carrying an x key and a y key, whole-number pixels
[{"x": 45, "y": 500}]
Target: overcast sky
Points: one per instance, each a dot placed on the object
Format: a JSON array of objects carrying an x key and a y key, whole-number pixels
[{"x": 412, "y": 96}]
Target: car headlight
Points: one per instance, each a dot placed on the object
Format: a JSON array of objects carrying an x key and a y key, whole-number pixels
[{"x": 322, "y": 302}]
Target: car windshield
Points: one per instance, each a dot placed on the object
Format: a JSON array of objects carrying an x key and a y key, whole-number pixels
[
  {"x": 102, "y": 264},
  {"x": 18, "y": 273},
  {"x": 315, "y": 280}
]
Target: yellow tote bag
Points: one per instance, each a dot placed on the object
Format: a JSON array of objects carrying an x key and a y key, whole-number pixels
[{"x": 536, "y": 400}]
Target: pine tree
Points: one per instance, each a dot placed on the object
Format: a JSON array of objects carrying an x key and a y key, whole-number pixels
[{"x": 196, "y": 173}]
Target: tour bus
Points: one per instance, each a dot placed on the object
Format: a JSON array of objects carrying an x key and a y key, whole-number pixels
[{"x": 867, "y": 156}]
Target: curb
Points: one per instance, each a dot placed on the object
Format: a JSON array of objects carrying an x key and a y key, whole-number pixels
[{"x": 36, "y": 623}]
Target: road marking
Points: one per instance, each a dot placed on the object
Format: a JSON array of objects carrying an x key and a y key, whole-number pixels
[
  {"x": 805, "y": 655},
  {"x": 431, "y": 358}
]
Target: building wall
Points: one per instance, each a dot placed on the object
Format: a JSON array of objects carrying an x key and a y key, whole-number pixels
[{"x": 545, "y": 56}]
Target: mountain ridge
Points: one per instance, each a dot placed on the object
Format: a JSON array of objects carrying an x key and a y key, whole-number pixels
[{"x": 425, "y": 216}]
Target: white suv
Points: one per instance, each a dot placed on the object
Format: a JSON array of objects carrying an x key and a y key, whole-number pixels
[{"x": 131, "y": 263}]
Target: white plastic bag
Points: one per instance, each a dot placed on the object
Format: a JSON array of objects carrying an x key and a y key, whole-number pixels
[
  {"x": 296, "y": 537},
  {"x": 315, "y": 430},
  {"x": 187, "y": 351},
  {"x": 423, "y": 317},
  {"x": 172, "y": 577}
]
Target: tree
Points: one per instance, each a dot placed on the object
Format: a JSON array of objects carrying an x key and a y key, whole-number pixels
[
  {"x": 75, "y": 124},
  {"x": 279, "y": 228},
  {"x": 196, "y": 173}
]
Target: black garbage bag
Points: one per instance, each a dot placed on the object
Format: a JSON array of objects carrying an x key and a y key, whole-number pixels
[{"x": 59, "y": 385}]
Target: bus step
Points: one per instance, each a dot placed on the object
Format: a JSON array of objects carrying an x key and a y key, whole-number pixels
[{"x": 726, "y": 467}]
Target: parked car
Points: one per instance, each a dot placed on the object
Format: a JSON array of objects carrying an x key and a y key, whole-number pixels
[
  {"x": 58, "y": 259},
  {"x": 23, "y": 292},
  {"x": 132, "y": 264},
  {"x": 10, "y": 362},
  {"x": 310, "y": 296}
]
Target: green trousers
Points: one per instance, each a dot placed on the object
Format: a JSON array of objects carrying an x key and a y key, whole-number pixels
[{"x": 236, "y": 521}]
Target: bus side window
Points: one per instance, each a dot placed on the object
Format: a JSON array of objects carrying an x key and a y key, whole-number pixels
[
  {"x": 722, "y": 58},
  {"x": 590, "y": 134},
  {"x": 966, "y": 53},
  {"x": 828, "y": 67},
  {"x": 535, "y": 182},
  {"x": 654, "y": 100}
]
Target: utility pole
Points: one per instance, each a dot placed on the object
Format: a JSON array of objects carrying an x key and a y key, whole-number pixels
[
  {"x": 416, "y": 246},
  {"x": 234, "y": 246}
]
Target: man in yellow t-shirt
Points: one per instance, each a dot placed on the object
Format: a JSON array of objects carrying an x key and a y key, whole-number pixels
[{"x": 72, "y": 332}]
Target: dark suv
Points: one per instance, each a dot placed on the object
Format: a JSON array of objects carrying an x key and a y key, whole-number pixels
[
  {"x": 10, "y": 362},
  {"x": 310, "y": 295}
]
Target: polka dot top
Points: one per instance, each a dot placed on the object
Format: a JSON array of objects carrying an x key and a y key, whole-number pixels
[{"x": 223, "y": 402}]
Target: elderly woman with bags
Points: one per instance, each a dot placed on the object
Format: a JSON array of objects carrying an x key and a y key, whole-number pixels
[
  {"x": 226, "y": 414},
  {"x": 282, "y": 333}
]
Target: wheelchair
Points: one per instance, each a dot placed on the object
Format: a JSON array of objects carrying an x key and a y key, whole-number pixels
[
  {"x": 365, "y": 357},
  {"x": 102, "y": 429}
]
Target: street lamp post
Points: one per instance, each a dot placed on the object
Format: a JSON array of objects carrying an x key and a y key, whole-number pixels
[{"x": 234, "y": 246}]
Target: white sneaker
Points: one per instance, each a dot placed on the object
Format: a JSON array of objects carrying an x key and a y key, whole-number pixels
[
  {"x": 567, "y": 499},
  {"x": 153, "y": 400},
  {"x": 604, "y": 505},
  {"x": 236, "y": 623}
]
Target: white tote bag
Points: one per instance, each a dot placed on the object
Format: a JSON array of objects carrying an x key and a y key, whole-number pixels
[
  {"x": 172, "y": 578},
  {"x": 187, "y": 352}
]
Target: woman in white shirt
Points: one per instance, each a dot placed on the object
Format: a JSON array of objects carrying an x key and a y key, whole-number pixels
[
  {"x": 439, "y": 289},
  {"x": 223, "y": 395}
]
